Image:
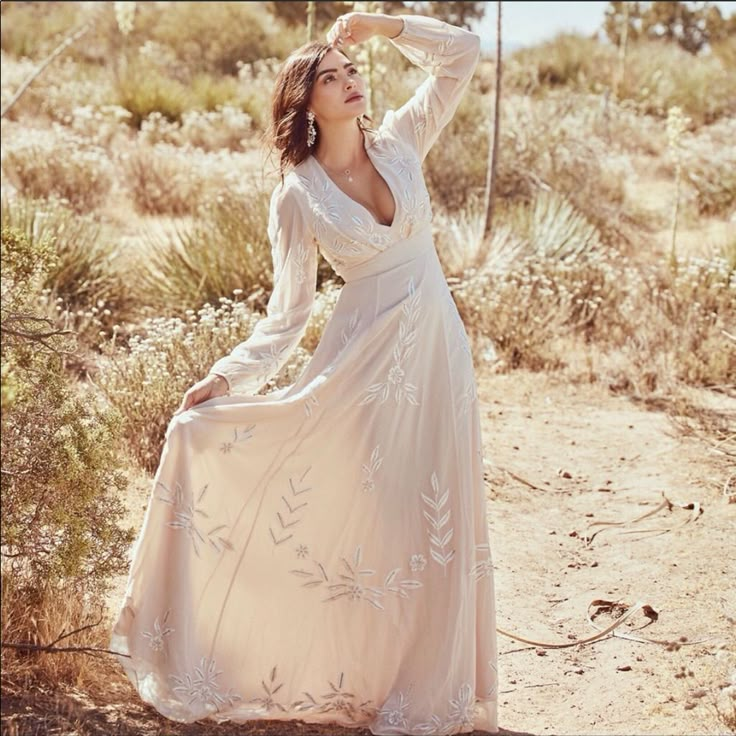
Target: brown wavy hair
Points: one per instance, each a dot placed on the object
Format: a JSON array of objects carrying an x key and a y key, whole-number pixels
[{"x": 287, "y": 131}]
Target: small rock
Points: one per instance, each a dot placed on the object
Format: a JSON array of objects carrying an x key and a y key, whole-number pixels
[
  {"x": 541, "y": 652},
  {"x": 573, "y": 533},
  {"x": 624, "y": 668}
]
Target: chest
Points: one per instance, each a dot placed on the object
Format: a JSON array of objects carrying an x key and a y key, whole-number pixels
[{"x": 370, "y": 190}]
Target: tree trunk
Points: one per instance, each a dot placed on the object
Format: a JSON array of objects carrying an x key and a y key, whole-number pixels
[{"x": 492, "y": 149}]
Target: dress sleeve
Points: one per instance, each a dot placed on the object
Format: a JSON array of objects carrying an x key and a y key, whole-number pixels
[
  {"x": 449, "y": 55},
  {"x": 274, "y": 338}
]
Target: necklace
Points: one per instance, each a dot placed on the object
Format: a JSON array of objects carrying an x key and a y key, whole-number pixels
[{"x": 346, "y": 172}]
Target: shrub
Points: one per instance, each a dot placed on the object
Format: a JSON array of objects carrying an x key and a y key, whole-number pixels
[
  {"x": 658, "y": 75},
  {"x": 86, "y": 288},
  {"x": 162, "y": 179},
  {"x": 709, "y": 164},
  {"x": 58, "y": 164},
  {"x": 227, "y": 127},
  {"x": 61, "y": 481},
  {"x": 142, "y": 88},
  {"x": 213, "y": 37},
  {"x": 668, "y": 326},
  {"x": 225, "y": 248},
  {"x": 39, "y": 616}
]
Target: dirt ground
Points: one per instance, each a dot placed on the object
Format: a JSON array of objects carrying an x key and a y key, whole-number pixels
[
  {"x": 620, "y": 459},
  {"x": 590, "y": 456}
]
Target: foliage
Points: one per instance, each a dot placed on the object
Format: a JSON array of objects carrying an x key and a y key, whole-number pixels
[
  {"x": 457, "y": 13},
  {"x": 669, "y": 323},
  {"x": 58, "y": 164},
  {"x": 39, "y": 615},
  {"x": 86, "y": 284},
  {"x": 658, "y": 76},
  {"x": 61, "y": 481},
  {"x": 692, "y": 25}
]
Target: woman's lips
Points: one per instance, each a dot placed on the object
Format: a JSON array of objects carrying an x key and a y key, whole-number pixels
[{"x": 354, "y": 98}]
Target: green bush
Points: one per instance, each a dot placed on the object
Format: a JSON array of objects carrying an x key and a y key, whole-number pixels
[
  {"x": 62, "y": 478},
  {"x": 86, "y": 286},
  {"x": 226, "y": 247}
]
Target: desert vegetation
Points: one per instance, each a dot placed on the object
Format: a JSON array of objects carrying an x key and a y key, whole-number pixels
[{"x": 135, "y": 189}]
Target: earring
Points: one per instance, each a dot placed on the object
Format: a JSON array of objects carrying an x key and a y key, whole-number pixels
[{"x": 311, "y": 130}]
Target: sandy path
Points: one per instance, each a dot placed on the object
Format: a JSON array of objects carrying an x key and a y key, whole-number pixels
[{"x": 546, "y": 575}]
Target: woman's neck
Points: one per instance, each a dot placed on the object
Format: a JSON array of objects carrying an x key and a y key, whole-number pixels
[{"x": 346, "y": 147}]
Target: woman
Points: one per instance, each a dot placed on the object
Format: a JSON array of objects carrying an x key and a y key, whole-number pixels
[{"x": 321, "y": 552}]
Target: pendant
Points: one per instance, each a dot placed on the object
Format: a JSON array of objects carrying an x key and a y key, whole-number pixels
[{"x": 347, "y": 173}]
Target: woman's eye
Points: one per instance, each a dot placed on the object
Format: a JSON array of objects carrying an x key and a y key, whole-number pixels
[{"x": 330, "y": 77}]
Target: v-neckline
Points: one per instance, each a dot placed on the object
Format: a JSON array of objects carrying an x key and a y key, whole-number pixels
[{"x": 356, "y": 203}]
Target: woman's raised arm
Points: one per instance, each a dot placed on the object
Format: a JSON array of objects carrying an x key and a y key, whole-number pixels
[{"x": 449, "y": 55}]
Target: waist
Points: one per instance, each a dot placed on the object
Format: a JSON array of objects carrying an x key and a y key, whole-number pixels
[{"x": 397, "y": 254}]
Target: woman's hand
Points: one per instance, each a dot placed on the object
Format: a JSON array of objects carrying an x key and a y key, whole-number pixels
[
  {"x": 351, "y": 28},
  {"x": 210, "y": 387}
]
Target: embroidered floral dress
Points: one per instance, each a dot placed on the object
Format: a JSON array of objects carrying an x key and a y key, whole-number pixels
[{"x": 321, "y": 552}]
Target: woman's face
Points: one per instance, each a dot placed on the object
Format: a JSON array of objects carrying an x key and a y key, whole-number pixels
[{"x": 337, "y": 79}]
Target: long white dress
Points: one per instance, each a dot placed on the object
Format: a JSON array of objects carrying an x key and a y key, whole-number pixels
[{"x": 321, "y": 552}]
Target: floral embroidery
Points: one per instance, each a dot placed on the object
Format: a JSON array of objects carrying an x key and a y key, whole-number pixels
[
  {"x": 349, "y": 332},
  {"x": 302, "y": 259},
  {"x": 395, "y": 715},
  {"x": 405, "y": 166},
  {"x": 245, "y": 434},
  {"x": 484, "y": 567},
  {"x": 203, "y": 686},
  {"x": 160, "y": 630},
  {"x": 310, "y": 402},
  {"x": 438, "y": 519},
  {"x": 404, "y": 346},
  {"x": 369, "y": 233},
  {"x": 492, "y": 690},
  {"x": 288, "y": 519},
  {"x": 302, "y": 551},
  {"x": 461, "y": 715},
  {"x": 463, "y": 706},
  {"x": 416, "y": 210},
  {"x": 267, "y": 701},
  {"x": 184, "y": 519},
  {"x": 323, "y": 200},
  {"x": 353, "y": 588},
  {"x": 469, "y": 396},
  {"x": 350, "y": 246},
  {"x": 336, "y": 699},
  {"x": 370, "y": 469},
  {"x": 418, "y": 562}
]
